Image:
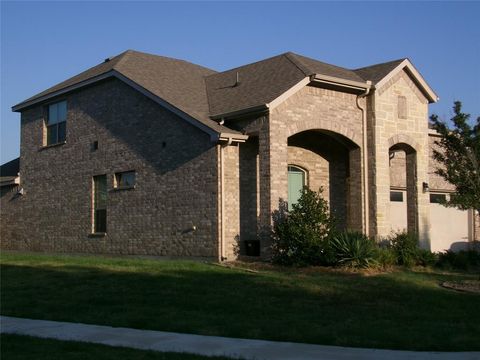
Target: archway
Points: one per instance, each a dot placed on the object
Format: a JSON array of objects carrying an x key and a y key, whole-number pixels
[
  {"x": 332, "y": 162},
  {"x": 403, "y": 188}
]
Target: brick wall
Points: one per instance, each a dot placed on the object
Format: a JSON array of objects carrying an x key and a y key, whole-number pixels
[
  {"x": 311, "y": 108},
  {"x": 173, "y": 209}
]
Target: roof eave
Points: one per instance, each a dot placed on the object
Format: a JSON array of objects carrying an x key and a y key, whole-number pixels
[
  {"x": 26, "y": 104},
  {"x": 10, "y": 180},
  {"x": 214, "y": 134},
  {"x": 232, "y": 114},
  {"x": 225, "y": 136},
  {"x": 350, "y": 84}
]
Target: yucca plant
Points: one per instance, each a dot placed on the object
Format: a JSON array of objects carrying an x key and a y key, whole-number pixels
[{"x": 353, "y": 249}]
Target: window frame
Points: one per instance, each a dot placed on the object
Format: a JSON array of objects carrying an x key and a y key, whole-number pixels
[
  {"x": 117, "y": 179},
  {"x": 57, "y": 125},
  {"x": 94, "y": 218},
  {"x": 394, "y": 193},
  {"x": 434, "y": 198},
  {"x": 299, "y": 169}
]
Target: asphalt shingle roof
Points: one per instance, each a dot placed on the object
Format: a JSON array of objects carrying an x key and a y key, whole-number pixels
[
  {"x": 377, "y": 72},
  {"x": 263, "y": 81},
  {"x": 177, "y": 82},
  {"x": 203, "y": 93},
  {"x": 10, "y": 168},
  {"x": 260, "y": 83}
]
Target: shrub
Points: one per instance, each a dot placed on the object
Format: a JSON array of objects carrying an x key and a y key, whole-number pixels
[
  {"x": 352, "y": 248},
  {"x": 385, "y": 256},
  {"x": 462, "y": 260},
  {"x": 405, "y": 246},
  {"x": 300, "y": 237},
  {"x": 426, "y": 258}
]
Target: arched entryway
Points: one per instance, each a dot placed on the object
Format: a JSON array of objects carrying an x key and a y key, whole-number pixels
[
  {"x": 403, "y": 188},
  {"x": 330, "y": 161}
]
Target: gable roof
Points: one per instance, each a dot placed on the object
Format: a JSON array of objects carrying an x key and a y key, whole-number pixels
[
  {"x": 199, "y": 95},
  {"x": 173, "y": 82},
  {"x": 380, "y": 74},
  {"x": 262, "y": 82},
  {"x": 377, "y": 72}
]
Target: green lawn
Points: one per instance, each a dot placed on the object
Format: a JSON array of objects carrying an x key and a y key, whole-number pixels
[
  {"x": 16, "y": 347},
  {"x": 398, "y": 310}
]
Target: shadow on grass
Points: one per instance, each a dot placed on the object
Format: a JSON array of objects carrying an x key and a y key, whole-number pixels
[{"x": 404, "y": 310}]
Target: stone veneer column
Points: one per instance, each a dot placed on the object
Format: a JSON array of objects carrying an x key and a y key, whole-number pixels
[{"x": 387, "y": 129}]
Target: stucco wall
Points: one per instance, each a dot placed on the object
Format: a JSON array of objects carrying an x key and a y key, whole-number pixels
[{"x": 173, "y": 209}]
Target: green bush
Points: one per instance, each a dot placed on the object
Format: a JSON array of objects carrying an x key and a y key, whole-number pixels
[
  {"x": 300, "y": 237},
  {"x": 385, "y": 256},
  {"x": 352, "y": 248},
  {"x": 405, "y": 247},
  {"x": 426, "y": 258},
  {"x": 462, "y": 260}
]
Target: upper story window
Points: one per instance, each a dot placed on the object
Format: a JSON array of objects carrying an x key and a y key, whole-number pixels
[
  {"x": 56, "y": 123},
  {"x": 124, "y": 180},
  {"x": 402, "y": 107}
]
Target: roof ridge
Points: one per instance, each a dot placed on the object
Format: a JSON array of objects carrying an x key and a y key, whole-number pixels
[
  {"x": 169, "y": 58},
  {"x": 298, "y": 63},
  {"x": 243, "y": 66},
  {"x": 122, "y": 58}
]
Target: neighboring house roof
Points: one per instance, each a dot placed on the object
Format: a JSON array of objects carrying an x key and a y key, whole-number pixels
[
  {"x": 200, "y": 95},
  {"x": 9, "y": 172}
]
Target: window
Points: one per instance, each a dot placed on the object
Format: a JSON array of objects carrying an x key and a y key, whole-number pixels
[
  {"x": 396, "y": 196},
  {"x": 296, "y": 182},
  {"x": 56, "y": 123},
  {"x": 438, "y": 198},
  {"x": 100, "y": 204},
  {"x": 402, "y": 107},
  {"x": 124, "y": 180}
]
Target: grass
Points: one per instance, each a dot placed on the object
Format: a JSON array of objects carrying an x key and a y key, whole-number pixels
[
  {"x": 398, "y": 310},
  {"x": 16, "y": 347}
]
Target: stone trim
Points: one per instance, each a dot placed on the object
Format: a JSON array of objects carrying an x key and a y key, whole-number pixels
[{"x": 403, "y": 139}]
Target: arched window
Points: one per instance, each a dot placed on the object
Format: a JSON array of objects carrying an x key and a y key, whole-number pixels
[{"x": 296, "y": 181}]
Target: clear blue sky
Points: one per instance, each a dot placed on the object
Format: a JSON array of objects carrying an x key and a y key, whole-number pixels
[{"x": 43, "y": 43}]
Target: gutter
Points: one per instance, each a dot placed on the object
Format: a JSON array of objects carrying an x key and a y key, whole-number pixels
[
  {"x": 350, "y": 84},
  {"x": 10, "y": 180},
  {"x": 229, "y": 137},
  {"x": 365, "y": 158},
  {"x": 324, "y": 79},
  {"x": 235, "y": 113}
]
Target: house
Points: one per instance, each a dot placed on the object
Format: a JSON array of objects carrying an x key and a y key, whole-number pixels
[{"x": 149, "y": 155}]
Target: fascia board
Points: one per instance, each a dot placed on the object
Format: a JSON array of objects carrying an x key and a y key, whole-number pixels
[{"x": 406, "y": 64}]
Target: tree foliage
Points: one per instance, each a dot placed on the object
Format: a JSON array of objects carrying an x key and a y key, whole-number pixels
[{"x": 458, "y": 155}]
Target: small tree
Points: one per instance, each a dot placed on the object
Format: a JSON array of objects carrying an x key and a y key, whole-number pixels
[
  {"x": 459, "y": 157},
  {"x": 300, "y": 236}
]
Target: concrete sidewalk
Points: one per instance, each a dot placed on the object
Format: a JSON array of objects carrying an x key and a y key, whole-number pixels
[{"x": 207, "y": 345}]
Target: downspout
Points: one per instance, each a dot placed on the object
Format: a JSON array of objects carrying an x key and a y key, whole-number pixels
[
  {"x": 222, "y": 200},
  {"x": 222, "y": 206},
  {"x": 365, "y": 158}
]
